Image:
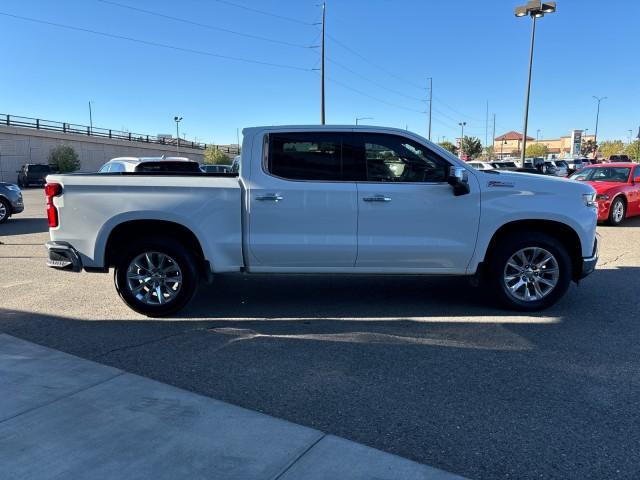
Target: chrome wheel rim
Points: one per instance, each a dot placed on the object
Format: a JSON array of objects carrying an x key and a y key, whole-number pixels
[
  {"x": 154, "y": 278},
  {"x": 618, "y": 211},
  {"x": 3, "y": 211},
  {"x": 531, "y": 274}
]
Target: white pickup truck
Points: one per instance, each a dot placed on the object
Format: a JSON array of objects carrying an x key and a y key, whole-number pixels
[{"x": 330, "y": 199}]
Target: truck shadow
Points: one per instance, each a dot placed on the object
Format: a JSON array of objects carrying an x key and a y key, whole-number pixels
[
  {"x": 416, "y": 367},
  {"x": 23, "y": 226}
]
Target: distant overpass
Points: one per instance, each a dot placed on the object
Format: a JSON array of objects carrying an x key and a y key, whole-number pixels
[{"x": 29, "y": 140}]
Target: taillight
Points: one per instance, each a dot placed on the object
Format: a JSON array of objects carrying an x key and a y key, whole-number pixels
[{"x": 52, "y": 190}]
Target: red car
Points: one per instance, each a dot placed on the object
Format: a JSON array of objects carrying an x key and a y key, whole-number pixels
[{"x": 617, "y": 187}]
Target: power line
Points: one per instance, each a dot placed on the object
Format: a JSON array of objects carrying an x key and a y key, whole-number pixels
[
  {"x": 364, "y": 77},
  {"x": 156, "y": 44},
  {"x": 344, "y": 85},
  {"x": 204, "y": 25},
  {"x": 362, "y": 57},
  {"x": 262, "y": 12}
]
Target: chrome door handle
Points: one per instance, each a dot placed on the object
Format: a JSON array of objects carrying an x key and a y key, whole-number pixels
[
  {"x": 377, "y": 198},
  {"x": 273, "y": 197}
]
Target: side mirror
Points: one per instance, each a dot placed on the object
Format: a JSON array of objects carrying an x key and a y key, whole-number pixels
[{"x": 459, "y": 179}]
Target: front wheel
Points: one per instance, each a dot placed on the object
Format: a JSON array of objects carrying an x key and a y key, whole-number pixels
[
  {"x": 5, "y": 210},
  {"x": 156, "y": 278},
  {"x": 529, "y": 271},
  {"x": 617, "y": 212}
]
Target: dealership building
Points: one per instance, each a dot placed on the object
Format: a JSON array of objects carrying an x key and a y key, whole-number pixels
[{"x": 509, "y": 144}]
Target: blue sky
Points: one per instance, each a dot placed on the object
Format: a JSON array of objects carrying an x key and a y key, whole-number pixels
[{"x": 474, "y": 55}]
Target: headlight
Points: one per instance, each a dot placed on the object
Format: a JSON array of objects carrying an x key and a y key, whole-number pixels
[
  {"x": 589, "y": 199},
  {"x": 602, "y": 197},
  {"x": 15, "y": 188}
]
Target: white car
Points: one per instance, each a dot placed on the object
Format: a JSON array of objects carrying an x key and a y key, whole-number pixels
[
  {"x": 326, "y": 200},
  {"x": 150, "y": 164},
  {"x": 481, "y": 165}
]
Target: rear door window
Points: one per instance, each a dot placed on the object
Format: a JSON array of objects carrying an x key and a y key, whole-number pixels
[{"x": 307, "y": 156}]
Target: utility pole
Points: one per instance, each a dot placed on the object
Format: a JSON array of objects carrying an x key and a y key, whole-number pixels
[
  {"x": 630, "y": 133},
  {"x": 322, "y": 122},
  {"x": 493, "y": 136},
  {"x": 90, "y": 119},
  {"x": 430, "y": 103},
  {"x": 486, "y": 127}
]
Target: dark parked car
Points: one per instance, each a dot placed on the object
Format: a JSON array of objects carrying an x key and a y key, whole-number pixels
[
  {"x": 619, "y": 158},
  {"x": 33, "y": 174},
  {"x": 10, "y": 200},
  {"x": 216, "y": 168}
]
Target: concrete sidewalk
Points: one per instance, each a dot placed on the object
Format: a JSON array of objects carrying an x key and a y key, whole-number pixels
[{"x": 65, "y": 417}]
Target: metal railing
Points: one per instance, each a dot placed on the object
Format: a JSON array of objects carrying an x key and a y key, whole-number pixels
[{"x": 72, "y": 128}]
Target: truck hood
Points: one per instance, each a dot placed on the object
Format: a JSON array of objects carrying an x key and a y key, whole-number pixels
[{"x": 530, "y": 181}]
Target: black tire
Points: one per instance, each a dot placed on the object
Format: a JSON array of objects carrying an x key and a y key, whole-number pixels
[
  {"x": 614, "y": 218},
  {"x": 5, "y": 210},
  {"x": 505, "y": 249},
  {"x": 179, "y": 256}
]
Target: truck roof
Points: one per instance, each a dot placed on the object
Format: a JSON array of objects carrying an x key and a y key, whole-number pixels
[{"x": 364, "y": 128}]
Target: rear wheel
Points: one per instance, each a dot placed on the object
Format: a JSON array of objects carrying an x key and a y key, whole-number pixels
[
  {"x": 617, "y": 212},
  {"x": 5, "y": 210},
  {"x": 529, "y": 271},
  {"x": 156, "y": 278}
]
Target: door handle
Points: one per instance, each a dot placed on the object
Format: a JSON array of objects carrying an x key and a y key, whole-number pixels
[
  {"x": 377, "y": 198},
  {"x": 272, "y": 197}
]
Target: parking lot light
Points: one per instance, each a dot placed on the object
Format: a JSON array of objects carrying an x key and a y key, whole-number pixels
[{"x": 534, "y": 9}]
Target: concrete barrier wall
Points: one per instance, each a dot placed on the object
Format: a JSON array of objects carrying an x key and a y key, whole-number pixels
[{"x": 23, "y": 145}]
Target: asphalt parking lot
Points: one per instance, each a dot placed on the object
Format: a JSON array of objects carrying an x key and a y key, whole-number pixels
[{"x": 421, "y": 368}]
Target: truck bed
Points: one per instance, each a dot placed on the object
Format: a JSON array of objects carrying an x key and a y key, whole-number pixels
[{"x": 209, "y": 204}]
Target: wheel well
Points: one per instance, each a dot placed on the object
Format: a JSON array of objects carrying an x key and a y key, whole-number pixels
[
  {"x": 622, "y": 197},
  {"x": 562, "y": 232},
  {"x": 123, "y": 233}
]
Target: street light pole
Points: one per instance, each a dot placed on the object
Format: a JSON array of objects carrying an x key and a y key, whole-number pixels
[
  {"x": 365, "y": 118},
  {"x": 526, "y": 101},
  {"x": 462, "y": 124},
  {"x": 177, "y": 120},
  {"x": 534, "y": 9},
  {"x": 430, "y": 103},
  {"x": 538, "y": 135},
  {"x": 90, "y": 119},
  {"x": 598, "y": 99},
  {"x": 322, "y": 122}
]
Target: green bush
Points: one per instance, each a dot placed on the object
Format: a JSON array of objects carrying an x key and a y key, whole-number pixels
[
  {"x": 213, "y": 156},
  {"x": 64, "y": 158}
]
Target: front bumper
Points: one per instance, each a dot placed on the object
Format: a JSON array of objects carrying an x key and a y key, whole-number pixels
[
  {"x": 63, "y": 256},
  {"x": 17, "y": 205},
  {"x": 589, "y": 263}
]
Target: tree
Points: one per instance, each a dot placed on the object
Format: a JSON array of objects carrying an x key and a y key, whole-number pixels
[
  {"x": 63, "y": 159},
  {"x": 449, "y": 146},
  {"x": 471, "y": 147},
  {"x": 214, "y": 156},
  {"x": 633, "y": 150},
  {"x": 488, "y": 152},
  {"x": 612, "y": 147},
  {"x": 588, "y": 148},
  {"x": 536, "y": 150}
]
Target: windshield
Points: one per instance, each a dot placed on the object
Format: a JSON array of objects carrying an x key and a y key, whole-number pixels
[
  {"x": 39, "y": 168},
  {"x": 561, "y": 163},
  {"x": 603, "y": 174}
]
